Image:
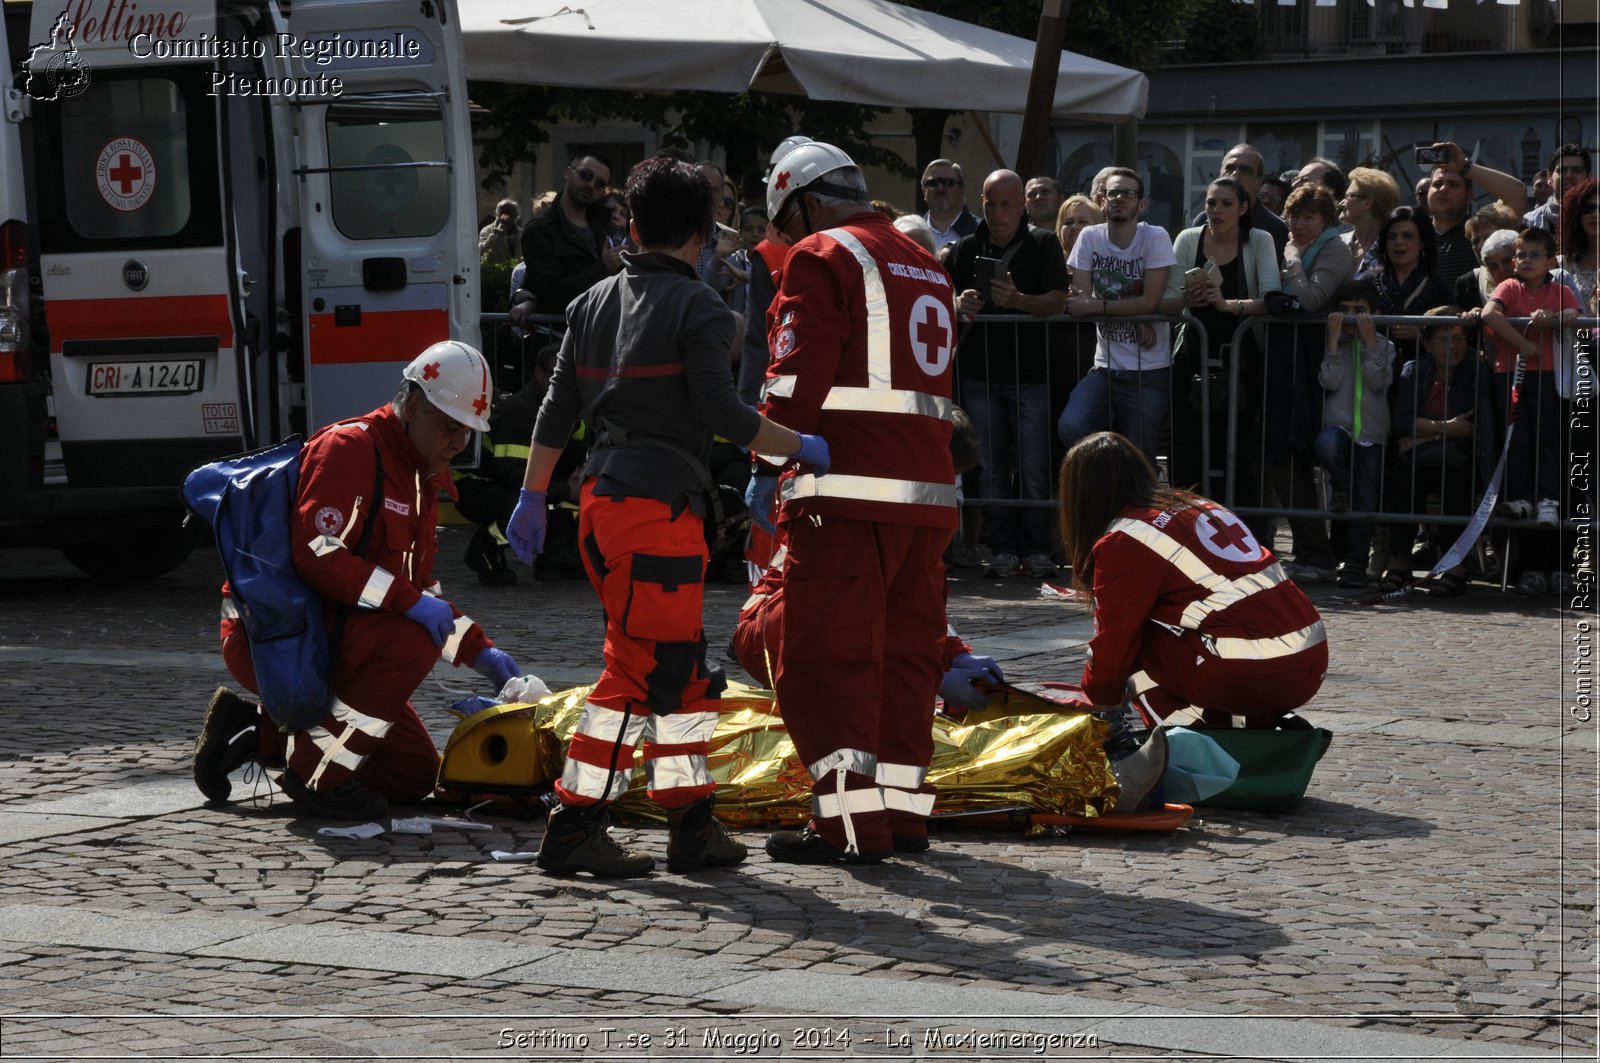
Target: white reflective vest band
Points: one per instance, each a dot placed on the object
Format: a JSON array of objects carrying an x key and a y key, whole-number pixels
[
  {"x": 752, "y": 600},
  {"x": 1232, "y": 649},
  {"x": 360, "y": 721},
  {"x": 1222, "y": 590},
  {"x": 856, "y": 760},
  {"x": 327, "y": 544},
  {"x": 333, "y": 752},
  {"x": 590, "y": 781},
  {"x": 879, "y": 348},
  {"x": 447, "y": 652},
  {"x": 229, "y": 610},
  {"x": 879, "y": 400},
  {"x": 782, "y": 386},
  {"x": 600, "y": 721},
  {"x": 678, "y": 772},
  {"x": 900, "y": 776},
  {"x": 870, "y": 489},
  {"x": 377, "y": 588},
  {"x": 685, "y": 728},
  {"x": 1236, "y": 591},
  {"x": 833, "y": 806},
  {"x": 906, "y": 801}
]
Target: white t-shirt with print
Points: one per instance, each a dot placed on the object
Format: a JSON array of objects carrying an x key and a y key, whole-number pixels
[{"x": 1119, "y": 274}]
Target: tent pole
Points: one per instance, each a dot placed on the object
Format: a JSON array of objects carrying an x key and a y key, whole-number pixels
[
  {"x": 1042, "y": 87},
  {"x": 988, "y": 138}
]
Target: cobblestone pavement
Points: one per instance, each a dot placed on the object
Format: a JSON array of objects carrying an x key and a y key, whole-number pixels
[{"x": 1433, "y": 897}]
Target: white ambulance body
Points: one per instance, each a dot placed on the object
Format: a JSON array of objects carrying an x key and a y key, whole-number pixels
[{"x": 242, "y": 221}]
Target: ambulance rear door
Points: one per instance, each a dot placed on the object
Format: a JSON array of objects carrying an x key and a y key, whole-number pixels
[
  {"x": 139, "y": 278},
  {"x": 389, "y": 233}
]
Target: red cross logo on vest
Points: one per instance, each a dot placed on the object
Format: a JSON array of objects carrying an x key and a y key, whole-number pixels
[
  {"x": 930, "y": 334},
  {"x": 1224, "y": 535},
  {"x": 430, "y": 371}
]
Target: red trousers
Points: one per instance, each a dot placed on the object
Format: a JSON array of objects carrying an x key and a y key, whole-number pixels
[
  {"x": 656, "y": 692},
  {"x": 855, "y": 640},
  {"x": 1187, "y": 672},
  {"x": 372, "y": 733}
]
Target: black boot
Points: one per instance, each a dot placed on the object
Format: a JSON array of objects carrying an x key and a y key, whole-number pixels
[
  {"x": 577, "y": 839},
  {"x": 806, "y": 846},
  {"x": 227, "y": 742},
  {"x": 350, "y": 800},
  {"x": 696, "y": 840},
  {"x": 488, "y": 559}
]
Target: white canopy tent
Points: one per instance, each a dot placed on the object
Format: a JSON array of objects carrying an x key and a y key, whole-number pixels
[{"x": 858, "y": 51}]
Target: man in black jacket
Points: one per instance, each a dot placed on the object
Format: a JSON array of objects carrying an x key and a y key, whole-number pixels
[{"x": 566, "y": 247}]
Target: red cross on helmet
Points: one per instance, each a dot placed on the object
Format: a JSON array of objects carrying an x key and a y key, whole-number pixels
[
  {"x": 798, "y": 166},
  {"x": 455, "y": 378}
]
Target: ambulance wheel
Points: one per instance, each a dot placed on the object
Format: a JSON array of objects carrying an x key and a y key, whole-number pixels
[{"x": 136, "y": 552}]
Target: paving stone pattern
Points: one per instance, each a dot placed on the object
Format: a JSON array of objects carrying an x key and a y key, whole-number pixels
[{"x": 1437, "y": 884}]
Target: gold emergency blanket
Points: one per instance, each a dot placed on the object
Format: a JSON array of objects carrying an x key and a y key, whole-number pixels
[{"x": 1049, "y": 762}]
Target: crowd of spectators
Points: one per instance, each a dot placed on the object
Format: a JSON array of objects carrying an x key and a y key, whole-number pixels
[{"x": 1313, "y": 431}]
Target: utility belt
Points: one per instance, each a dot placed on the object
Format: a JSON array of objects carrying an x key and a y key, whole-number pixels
[{"x": 725, "y": 519}]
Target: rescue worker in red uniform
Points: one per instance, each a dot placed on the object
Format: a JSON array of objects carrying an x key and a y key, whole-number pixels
[
  {"x": 645, "y": 362},
  {"x": 1184, "y": 592},
  {"x": 391, "y": 626},
  {"x": 862, "y": 335}
]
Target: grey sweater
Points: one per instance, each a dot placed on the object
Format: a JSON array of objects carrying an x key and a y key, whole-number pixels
[{"x": 1338, "y": 377}]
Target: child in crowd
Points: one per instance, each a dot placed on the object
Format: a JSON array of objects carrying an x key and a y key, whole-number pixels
[
  {"x": 1357, "y": 366},
  {"x": 1533, "y": 467}
]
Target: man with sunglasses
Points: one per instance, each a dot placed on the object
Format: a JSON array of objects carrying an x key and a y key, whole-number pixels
[
  {"x": 945, "y": 192},
  {"x": 565, "y": 247}
]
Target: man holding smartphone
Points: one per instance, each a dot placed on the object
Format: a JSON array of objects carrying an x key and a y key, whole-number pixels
[
  {"x": 1007, "y": 268},
  {"x": 1450, "y": 194}
]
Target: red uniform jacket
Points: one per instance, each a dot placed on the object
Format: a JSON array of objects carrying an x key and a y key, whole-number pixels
[
  {"x": 1193, "y": 569},
  {"x": 337, "y": 469},
  {"x": 862, "y": 337}
]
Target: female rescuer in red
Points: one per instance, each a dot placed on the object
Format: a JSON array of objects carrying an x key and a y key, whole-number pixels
[
  {"x": 645, "y": 362},
  {"x": 862, "y": 336},
  {"x": 371, "y": 748},
  {"x": 1184, "y": 592}
]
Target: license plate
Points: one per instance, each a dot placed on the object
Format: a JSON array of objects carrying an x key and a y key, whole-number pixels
[{"x": 145, "y": 378}]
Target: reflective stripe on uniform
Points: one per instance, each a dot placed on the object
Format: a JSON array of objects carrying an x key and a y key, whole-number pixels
[
  {"x": 782, "y": 386},
  {"x": 590, "y": 781},
  {"x": 229, "y": 610},
  {"x": 900, "y": 776},
  {"x": 906, "y": 801},
  {"x": 333, "y": 749},
  {"x": 870, "y": 489},
  {"x": 856, "y": 760},
  {"x": 600, "y": 721},
  {"x": 447, "y": 652},
  {"x": 519, "y": 451},
  {"x": 678, "y": 772},
  {"x": 877, "y": 400},
  {"x": 377, "y": 588},
  {"x": 1222, "y": 591},
  {"x": 1233, "y": 649},
  {"x": 833, "y": 806}
]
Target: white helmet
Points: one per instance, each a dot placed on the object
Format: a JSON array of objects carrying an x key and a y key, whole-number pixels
[
  {"x": 785, "y": 147},
  {"x": 455, "y": 378},
  {"x": 797, "y": 167}
]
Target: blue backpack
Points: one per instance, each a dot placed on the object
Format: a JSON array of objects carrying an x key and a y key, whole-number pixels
[{"x": 249, "y": 501}]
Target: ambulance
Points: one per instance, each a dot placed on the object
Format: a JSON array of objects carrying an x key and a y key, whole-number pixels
[{"x": 221, "y": 224}]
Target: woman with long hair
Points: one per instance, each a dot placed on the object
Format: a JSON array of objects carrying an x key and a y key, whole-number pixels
[
  {"x": 1223, "y": 272},
  {"x": 1580, "y": 240},
  {"x": 1184, "y": 592},
  {"x": 1406, "y": 283}
]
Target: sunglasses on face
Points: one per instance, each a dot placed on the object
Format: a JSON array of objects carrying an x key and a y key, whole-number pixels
[
  {"x": 941, "y": 182},
  {"x": 588, "y": 176}
]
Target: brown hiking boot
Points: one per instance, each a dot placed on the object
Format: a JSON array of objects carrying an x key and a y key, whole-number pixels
[
  {"x": 227, "y": 742},
  {"x": 577, "y": 839},
  {"x": 696, "y": 840}
]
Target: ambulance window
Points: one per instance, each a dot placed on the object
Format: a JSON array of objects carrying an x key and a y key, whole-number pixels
[
  {"x": 138, "y": 164},
  {"x": 396, "y": 186}
]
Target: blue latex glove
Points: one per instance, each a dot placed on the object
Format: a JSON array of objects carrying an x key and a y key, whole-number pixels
[
  {"x": 496, "y": 665},
  {"x": 525, "y": 531},
  {"x": 814, "y": 452},
  {"x": 435, "y": 616},
  {"x": 758, "y": 497},
  {"x": 956, "y": 688},
  {"x": 986, "y": 666}
]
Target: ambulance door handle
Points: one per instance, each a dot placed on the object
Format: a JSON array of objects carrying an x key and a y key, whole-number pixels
[{"x": 245, "y": 282}]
